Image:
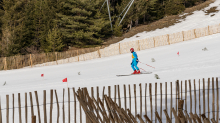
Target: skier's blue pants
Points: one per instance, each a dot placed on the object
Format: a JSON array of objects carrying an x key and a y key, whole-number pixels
[{"x": 134, "y": 66}]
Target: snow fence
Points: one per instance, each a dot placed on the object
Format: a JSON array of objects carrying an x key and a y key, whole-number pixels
[{"x": 46, "y": 59}]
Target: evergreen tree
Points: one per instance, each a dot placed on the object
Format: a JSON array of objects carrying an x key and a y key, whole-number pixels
[
  {"x": 12, "y": 23},
  {"x": 54, "y": 41},
  {"x": 155, "y": 10},
  {"x": 174, "y": 7},
  {"x": 80, "y": 23},
  {"x": 39, "y": 15},
  {"x": 117, "y": 29}
]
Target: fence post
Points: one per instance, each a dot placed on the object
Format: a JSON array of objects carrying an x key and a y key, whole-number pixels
[
  {"x": 213, "y": 99},
  {"x": 109, "y": 91},
  {"x": 119, "y": 48},
  {"x": 208, "y": 99},
  {"x": 185, "y": 94},
  {"x": 125, "y": 99},
  {"x": 161, "y": 100},
  {"x": 26, "y": 109},
  {"x": 31, "y": 60},
  {"x": 168, "y": 38},
  {"x": 140, "y": 99},
  {"x": 13, "y": 108},
  {"x": 177, "y": 120},
  {"x": 166, "y": 99},
  {"x": 190, "y": 93},
  {"x": 19, "y": 107},
  {"x": 64, "y": 106},
  {"x": 45, "y": 107},
  {"x": 209, "y": 34},
  {"x": 97, "y": 92},
  {"x": 135, "y": 101},
  {"x": 176, "y": 97},
  {"x": 33, "y": 119},
  {"x": 119, "y": 98},
  {"x": 7, "y": 108},
  {"x": 56, "y": 57},
  {"x": 38, "y": 108},
  {"x": 99, "y": 53},
  {"x": 51, "y": 104},
  {"x": 139, "y": 46},
  {"x": 217, "y": 101},
  {"x": 183, "y": 35},
  {"x": 203, "y": 96},
  {"x": 58, "y": 108},
  {"x": 115, "y": 92},
  {"x": 92, "y": 92},
  {"x": 151, "y": 107},
  {"x": 74, "y": 93},
  {"x": 78, "y": 55},
  {"x": 187, "y": 117},
  {"x": 5, "y": 66},
  {"x": 69, "y": 116},
  {"x": 103, "y": 93},
  {"x": 0, "y": 111},
  {"x": 181, "y": 90},
  {"x": 31, "y": 102},
  {"x": 145, "y": 97},
  {"x": 155, "y": 101},
  {"x": 154, "y": 46},
  {"x": 171, "y": 101},
  {"x": 199, "y": 101},
  {"x": 195, "y": 95},
  {"x": 129, "y": 87},
  {"x": 167, "y": 116},
  {"x": 195, "y": 33}
]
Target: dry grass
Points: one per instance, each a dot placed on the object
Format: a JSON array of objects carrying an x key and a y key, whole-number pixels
[
  {"x": 165, "y": 22},
  {"x": 211, "y": 10}
]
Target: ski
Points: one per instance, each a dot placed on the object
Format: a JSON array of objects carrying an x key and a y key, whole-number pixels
[{"x": 134, "y": 74}]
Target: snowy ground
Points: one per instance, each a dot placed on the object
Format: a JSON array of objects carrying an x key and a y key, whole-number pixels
[
  {"x": 192, "y": 63},
  {"x": 198, "y": 19}
]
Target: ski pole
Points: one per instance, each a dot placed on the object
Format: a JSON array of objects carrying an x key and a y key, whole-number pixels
[
  {"x": 147, "y": 65},
  {"x": 143, "y": 70}
]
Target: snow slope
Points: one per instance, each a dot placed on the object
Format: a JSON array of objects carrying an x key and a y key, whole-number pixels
[
  {"x": 198, "y": 19},
  {"x": 193, "y": 63}
]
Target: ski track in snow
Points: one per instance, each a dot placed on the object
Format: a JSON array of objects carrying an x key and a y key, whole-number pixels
[{"x": 192, "y": 63}]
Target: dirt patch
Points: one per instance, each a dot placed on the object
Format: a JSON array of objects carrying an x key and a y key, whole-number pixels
[
  {"x": 211, "y": 10},
  {"x": 212, "y": 15},
  {"x": 165, "y": 22}
]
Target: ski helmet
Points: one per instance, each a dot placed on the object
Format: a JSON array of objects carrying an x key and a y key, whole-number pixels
[{"x": 132, "y": 49}]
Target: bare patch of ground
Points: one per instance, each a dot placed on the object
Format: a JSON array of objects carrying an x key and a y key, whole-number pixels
[{"x": 211, "y": 10}]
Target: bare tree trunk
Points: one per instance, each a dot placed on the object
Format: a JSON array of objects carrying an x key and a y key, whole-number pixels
[{"x": 136, "y": 22}]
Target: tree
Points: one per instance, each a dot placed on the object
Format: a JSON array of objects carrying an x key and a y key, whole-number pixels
[
  {"x": 117, "y": 29},
  {"x": 174, "y": 7},
  {"x": 11, "y": 23},
  {"x": 80, "y": 22},
  {"x": 53, "y": 41}
]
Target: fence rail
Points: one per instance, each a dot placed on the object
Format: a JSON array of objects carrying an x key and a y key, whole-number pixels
[
  {"x": 154, "y": 102},
  {"x": 45, "y": 59}
]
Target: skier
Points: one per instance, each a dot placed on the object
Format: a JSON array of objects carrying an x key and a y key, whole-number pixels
[{"x": 134, "y": 62}]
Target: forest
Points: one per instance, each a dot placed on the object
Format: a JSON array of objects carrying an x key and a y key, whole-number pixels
[{"x": 42, "y": 26}]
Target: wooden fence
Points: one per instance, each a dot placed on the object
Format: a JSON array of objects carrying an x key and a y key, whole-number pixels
[
  {"x": 154, "y": 102},
  {"x": 45, "y": 59}
]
